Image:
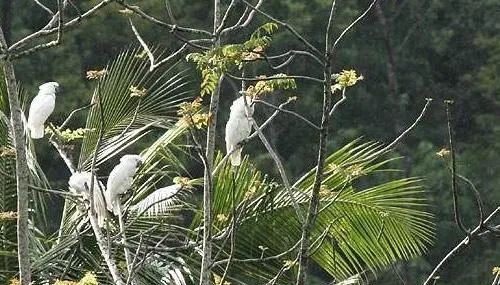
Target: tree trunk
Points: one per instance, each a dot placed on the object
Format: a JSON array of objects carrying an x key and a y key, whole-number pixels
[
  {"x": 21, "y": 166},
  {"x": 206, "y": 261}
]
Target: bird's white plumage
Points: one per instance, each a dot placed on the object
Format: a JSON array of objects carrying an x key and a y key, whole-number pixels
[
  {"x": 238, "y": 127},
  {"x": 80, "y": 183},
  {"x": 41, "y": 107},
  {"x": 120, "y": 180}
]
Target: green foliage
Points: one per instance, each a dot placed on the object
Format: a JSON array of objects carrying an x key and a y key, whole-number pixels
[
  {"x": 359, "y": 228},
  {"x": 217, "y": 61},
  {"x": 127, "y": 117},
  {"x": 267, "y": 85},
  {"x": 67, "y": 135}
]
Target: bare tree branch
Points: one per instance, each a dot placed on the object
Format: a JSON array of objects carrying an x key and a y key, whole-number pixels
[
  {"x": 151, "y": 57},
  {"x": 337, "y": 41},
  {"x": 288, "y": 27},
  {"x": 281, "y": 168},
  {"x": 291, "y": 55},
  {"x": 50, "y": 29},
  {"x": 44, "y": 7},
  {"x": 242, "y": 22},
  {"x": 338, "y": 103},
  {"x": 457, "y": 249},
  {"x": 173, "y": 28},
  {"x": 288, "y": 112},
  {"x": 307, "y": 227},
  {"x": 454, "y": 186},
  {"x": 253, "y": 79}
]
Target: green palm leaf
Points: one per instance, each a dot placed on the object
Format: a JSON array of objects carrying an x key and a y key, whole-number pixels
[
  {"x": 358, "y": 228},
  {"x": 126, "y": 118}
]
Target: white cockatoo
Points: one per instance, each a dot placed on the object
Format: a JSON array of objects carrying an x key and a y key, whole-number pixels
[
  {"x": 41, "y": 107},
  {"x": 238, "y": 127},
  {"x": 120, "y": 180},
  {"x": 80, "y": 183}
]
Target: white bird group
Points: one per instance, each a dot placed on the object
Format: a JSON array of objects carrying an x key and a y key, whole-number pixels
[
  {"x": 119, "y": 181},
  {"x": 238, "y": 127}
]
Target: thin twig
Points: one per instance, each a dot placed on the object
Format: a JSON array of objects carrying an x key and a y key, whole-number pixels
[
  {"x": 124, "y": 240},
  {"x": 134, "y": 266},
  {"x": 339, "y": 102},
  {"x": 62, "y": 153},
  {"x": 454, "y": 186},
  {"x": 288, "y": 27},
  {"x": 232, "y": 234},
  {"x": 44, "y": 7},
  {"x": 73, "y": 113},
  {"x": 352, "y": 25},
  {"x": 240, "y": 24},
  {"x": 137, "y": 10},
  {"x": 151, "y": 57},
  {"x": 281, "y": 169},
  {"x": 253, "y": 79},
  {"x": 288, "y": 112},
  {"x": 133, "y": 119},
  {"x": 390, "y": 146},
  {"x": 49, "y": 28},
  {"x": 291, "y": 55},
  {"x": 57, "y": 41},
  {"x": 224, "y": 19},
  {"x": 259, "y": 259},
  {"x": 457, "y": 248}
]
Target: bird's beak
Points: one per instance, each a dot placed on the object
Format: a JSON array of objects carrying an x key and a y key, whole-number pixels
[
  {"x": 139, "y": 163},
  {"x": 58, "y": 89}
]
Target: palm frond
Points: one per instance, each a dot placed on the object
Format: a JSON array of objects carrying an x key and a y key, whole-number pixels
[
  {"x": 358, "y": 228},
  {"x": 160, "y": 201},
  {"x": 133, "y": 99}
]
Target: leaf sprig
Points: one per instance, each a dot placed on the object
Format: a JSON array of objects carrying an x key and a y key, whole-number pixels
[
  {"x": 217, "y": 61},
  {"x": 267, "y": 85}
]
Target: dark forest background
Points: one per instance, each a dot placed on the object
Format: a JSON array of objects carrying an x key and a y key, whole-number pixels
[{"x": 406, "y": 50}]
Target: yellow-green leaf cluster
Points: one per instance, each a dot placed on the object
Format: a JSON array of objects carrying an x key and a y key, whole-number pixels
[
  {"x": 6, "y": 216},
  {"x": 67, "y": 135},
  {"x": 7, "y": 151},
  {"x": 96, "y": 74},
  {"x": 270, "y": 84},
  {"x": 137, "y": 92},
  {"x": 217, "y": 61},
  {"x": 191, "y": 113},
  {"x": 88, "y": 279},
  {"x": 346, "y": 78}
]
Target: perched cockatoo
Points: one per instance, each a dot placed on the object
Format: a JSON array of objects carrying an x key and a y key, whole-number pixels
[
  {"x": 238, "y": 127},
  {"x": 79, "y": 183},
  {"x": 41, "y": 107},
  {"x": 120, "y": 180}
]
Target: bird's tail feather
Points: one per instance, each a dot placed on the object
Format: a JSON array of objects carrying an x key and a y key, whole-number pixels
[
  {"x": 236, "y": 157},
  {"x": 100, "y": 208},
  {"x": 116, "y": 208},
  {"x": 36, "y": 132}
]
